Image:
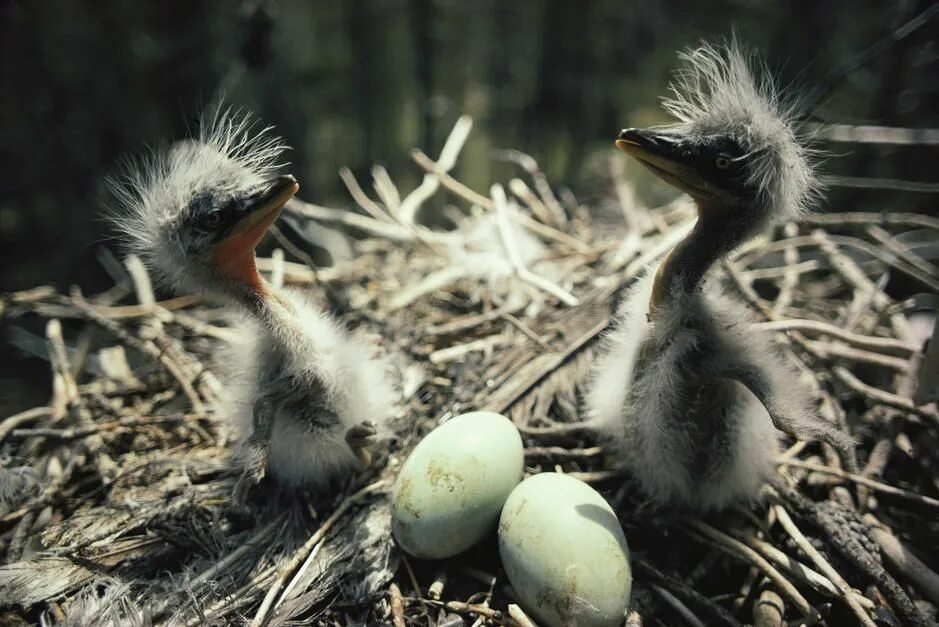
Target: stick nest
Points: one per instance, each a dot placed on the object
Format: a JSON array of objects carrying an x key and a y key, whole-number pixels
[{"x": 114, "y": 498}]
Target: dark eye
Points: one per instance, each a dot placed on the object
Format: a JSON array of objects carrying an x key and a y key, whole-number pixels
[
  {"x": 722, "y": 162},
  {"x": 211, "y": 220}
]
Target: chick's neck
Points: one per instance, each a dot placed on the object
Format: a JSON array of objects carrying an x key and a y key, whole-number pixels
[{"x": 718, "y": 231}]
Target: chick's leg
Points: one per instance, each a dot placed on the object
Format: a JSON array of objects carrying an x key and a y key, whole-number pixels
[
  {"x": 359, "y": 438},
  {"x": 255, "y": 450}
]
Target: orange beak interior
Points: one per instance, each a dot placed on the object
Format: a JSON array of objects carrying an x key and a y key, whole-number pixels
[{"x": 234, "y": 256}]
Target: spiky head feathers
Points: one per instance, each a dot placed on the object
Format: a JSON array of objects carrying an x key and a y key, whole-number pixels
[
  {"x": 717, "y": 94},
  {"x": 163, "y": 198}
]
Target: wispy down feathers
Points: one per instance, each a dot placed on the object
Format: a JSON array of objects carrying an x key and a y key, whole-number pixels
[
  {"x": 230, "y": 155},
  {"x": 722, "y": 89}
]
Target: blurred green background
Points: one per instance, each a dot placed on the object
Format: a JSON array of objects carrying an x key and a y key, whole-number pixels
[{"x": 351, "y": 83}]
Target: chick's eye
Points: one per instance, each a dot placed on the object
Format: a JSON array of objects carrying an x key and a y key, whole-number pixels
[
  {"x": 212, "y": 220},
  {"x": 722, "y": 162}
]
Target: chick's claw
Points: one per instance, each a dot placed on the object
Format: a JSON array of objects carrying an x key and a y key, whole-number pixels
[
  {"x": 253, "y": 455},
  {"x": 359, "y": 438}
]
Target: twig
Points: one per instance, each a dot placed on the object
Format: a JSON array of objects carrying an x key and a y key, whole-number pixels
[
  {"x": 147, "y": 348},
  {"x": 397, "y": 605},
  {"x": 712, "y": 612},
  {"x": 448, "y": 156},
  {"x": 301, "y": 558},
  {"x": 859, "y": 218},
  {"x": 923, "y": 577},
  {"x": 508, "y": 241},
  {"x": 871, "y": 483},
  {"x": 867, "y": 134},
  {"x": 847, "y": 594},
  {"x": 886, "y": 345},
  {"x": 62, "y": 374},
  {"x": 883, "y": 397},
  {"x": 520, "y": 617},
  {"x": 735, "y": 547},
  {"x": 678, "y": 606},
  {"x": 361, "y": 198},
  {"x": 16, "y": 420}
]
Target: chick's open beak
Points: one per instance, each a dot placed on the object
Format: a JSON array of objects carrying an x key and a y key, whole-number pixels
[
  {"x": 265, "y": 209},
  {"x": 234, "y": 256},
  {"x": 667, "y": 158}
]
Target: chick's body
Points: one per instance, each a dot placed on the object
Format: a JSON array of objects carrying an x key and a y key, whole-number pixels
[
  {"x": 688, "y": 435},
  {"x": 688, "y": 392},
  {"x": 322, "y": 380},
  {"x": 308, "y": 397}
]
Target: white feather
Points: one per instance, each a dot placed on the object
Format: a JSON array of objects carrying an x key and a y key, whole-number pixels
[
  {"x": 716, "y": 92},
  {"x": 323, "y": 378},
  {"x": 356, "y": 384},
  {"x": 229, "y": 155},
  {"x": 643, "y": 413}
]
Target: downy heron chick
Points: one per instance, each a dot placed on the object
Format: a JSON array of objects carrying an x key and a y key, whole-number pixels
[
  {"x": 687, "y": 390},
  {"x": 310, "y": 396}
]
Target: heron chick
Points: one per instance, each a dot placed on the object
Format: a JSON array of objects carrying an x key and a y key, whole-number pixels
[
  {"x": 687, "y": 390},
  {"x": 308, "y": 396}
]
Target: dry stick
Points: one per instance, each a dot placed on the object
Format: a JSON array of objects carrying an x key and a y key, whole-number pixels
[
  {"x": 714, "y": 613},
  {"x": 791, "y": 276},
  {"x": 20, "y": 537},
  {"x": 628, "y": 203},
  {"x": 923, "y": 577},
  {"x": 524, "y": 328},
  {"x": 508, "y": 241},
  {"x": 852, "y": 273},
  {"x": 447, "y": 160},
  {"x": 802, "y": 572},
  {"x": 397, "y": 605},
  {"x": 520, "y": 617},
  {"x": 524, "y": 193},
  {"x": 393, "y": 232},
  {"x": 830, "y": 350},
  {"x": 277, "y": 273},
  {"x": 927, "y": 378},
  {"x": 16, "y": 420},
  {"x": 147, "y": 348},
  {"x": 861, "y": 218},
  {"x": 794, "y": 270},
  {"x": 847, "y": 593},
  {"x": 530, "y": 165},
  {"x": 361, "y": 198},
  {"x": 738, "y": 548},
  {"x": 871, "y": 483},
  {"x": 385, "y": 188},
  {"x": 301, "y": 559},
  {"x": 884, "y": 345},
  {"x": 124, "y": 422},
  {"x": 475, "y": 198},
  {"x": 869, "y": 134},
  {"x": 907, "y": 255},
  {"x": 678, "y": 606},
  {"x": 883, "y": 397},
  {"x": 769, "y": 609},
  {"x": 94, "y": 444},
  {"x": 853, "y": 551}
]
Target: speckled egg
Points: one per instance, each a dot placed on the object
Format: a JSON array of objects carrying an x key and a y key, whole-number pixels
[
  {"x": 452, "y": 487},
  {"x": 564, "y": 552}
]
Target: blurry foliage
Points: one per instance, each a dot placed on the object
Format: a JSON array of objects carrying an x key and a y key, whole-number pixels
[{"x": 350, "y": 83}]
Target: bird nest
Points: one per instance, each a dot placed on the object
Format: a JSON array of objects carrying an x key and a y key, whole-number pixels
[{"x": 116, "y": 496}]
